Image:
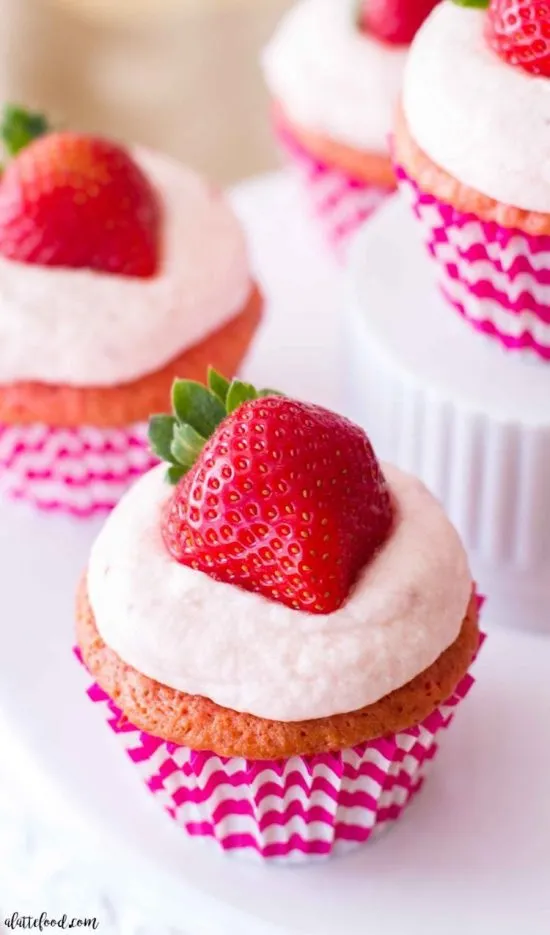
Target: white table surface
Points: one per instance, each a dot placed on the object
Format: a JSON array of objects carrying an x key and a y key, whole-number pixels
[{"x": 78, "y": 831}]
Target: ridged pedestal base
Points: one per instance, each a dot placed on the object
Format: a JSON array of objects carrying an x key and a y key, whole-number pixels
[{"x": 449, "y": 405}]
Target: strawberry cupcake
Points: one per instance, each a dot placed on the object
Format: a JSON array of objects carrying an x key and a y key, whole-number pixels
[
  {"x": 301, "y": 636},
  {"x": 119, "y": 270},
  {"x": 334, "y": 70},
  {"x": 470, "y": 147}
]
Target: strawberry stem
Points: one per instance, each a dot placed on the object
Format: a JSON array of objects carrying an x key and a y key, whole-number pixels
[
  {"x": 198, "y": 410},
  {"x": 19, "y": 127}
]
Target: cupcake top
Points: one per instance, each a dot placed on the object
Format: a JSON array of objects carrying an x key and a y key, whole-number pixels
[
  {"x": 112, "y": 262},
  {"x": 286, "y": 575},
  {"x": 474, "y": 108},
  {"x": 333, "y": 77}
]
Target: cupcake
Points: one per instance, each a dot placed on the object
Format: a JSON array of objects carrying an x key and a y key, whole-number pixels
[
  {"x": 334, "y": 70},
  {"x": 278, "y": 627},
  {"x": 119, "y": 270},
  {"x": 470, "y": 147}
]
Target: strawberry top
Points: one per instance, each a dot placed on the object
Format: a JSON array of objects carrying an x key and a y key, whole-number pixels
[
  {"x": 394, "y": 21},
  {"x": 518, "y": 31},
  {"x": 274, "y": 495},
  {"x": 73, "y": 200}
]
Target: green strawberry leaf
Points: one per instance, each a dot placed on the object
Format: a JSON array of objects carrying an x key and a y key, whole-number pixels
[
  {"x": 478, "y": 4},
  {"x": 218, "y": 385},
  {"x": 19, "y": 127},
  {"x": 174, "y": 474},
  {"x": 186, "y": 446},
  {"x": 239, "y": 393},
  {"x": 198, "y": 411},
  {"x": 196, "y": 406},
  {"x": 161, "y": 432}
]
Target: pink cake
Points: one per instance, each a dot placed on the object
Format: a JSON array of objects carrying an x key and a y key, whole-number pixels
[
  {"x": 470, "y": 147},
  {"x": 119, "y": 270},
  {"x": 334, "y": 70},
  {"x": 279, "y": 636}
]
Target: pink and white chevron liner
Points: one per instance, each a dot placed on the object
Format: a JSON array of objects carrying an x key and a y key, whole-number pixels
[
  {"x": 497, "y": 278},
  {"x": 338, "y": 202},
  {"x": 82, "y": 471},
  {"x": 291, "y": 810}
]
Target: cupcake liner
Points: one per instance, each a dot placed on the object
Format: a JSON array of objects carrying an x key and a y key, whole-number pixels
[
  {"x": 291, "y": 810},
  {"x": 338, "y": 202},
  {"x": 496, "y": 277},
  {"x": 81, "y": 471}
]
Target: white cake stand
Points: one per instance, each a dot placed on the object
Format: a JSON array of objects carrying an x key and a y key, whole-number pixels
[
  {"x": 473, "y": 852},
  {"x": 451, "y": 406}
]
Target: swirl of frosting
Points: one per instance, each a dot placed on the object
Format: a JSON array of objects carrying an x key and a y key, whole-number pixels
[
  {"x": 479, "y": 118},
  {"x": 332, "y": 78},
  {"x": 83, "y": 328},
  {"x": 245, "y": 652}
]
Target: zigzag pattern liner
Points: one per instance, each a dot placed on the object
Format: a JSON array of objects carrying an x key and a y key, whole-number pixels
[
  {"x": 290, "y": 810},
  {"x": 341, "y": 204},
  {"x": 81, "y": 471},
  {"x": 497, "y": 278}
]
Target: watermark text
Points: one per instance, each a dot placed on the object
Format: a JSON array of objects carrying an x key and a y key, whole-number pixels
[{"x": 44, "y": 923}]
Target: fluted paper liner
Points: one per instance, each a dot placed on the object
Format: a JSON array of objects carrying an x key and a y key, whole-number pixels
[
  {"x": 290, "y": 810},
  {"x": 497, "y": 278},
  {"x": 81, "y": 471},
  {"x": 338, "y": 202}
]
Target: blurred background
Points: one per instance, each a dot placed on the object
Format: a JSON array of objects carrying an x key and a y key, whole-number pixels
[{"x": 179, "y": 75}]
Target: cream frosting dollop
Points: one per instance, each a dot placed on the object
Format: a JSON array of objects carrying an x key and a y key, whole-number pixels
[
  {"x": 245, "y": 652},
  {"x": 332, "y": 78},
  {"x": 485, "y": 122},
  {"x": 83, "y": 328}
]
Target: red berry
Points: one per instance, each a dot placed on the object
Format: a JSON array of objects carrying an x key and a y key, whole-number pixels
[
  {"x": 76, "y": 201},
  {"x": 519, "y": 32},
  {"x": 394, "y": 21},
  {"x": 286, "y": 499}
]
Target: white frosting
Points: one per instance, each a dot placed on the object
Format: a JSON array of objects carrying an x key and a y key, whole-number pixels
[
  {"x": 485, "y": 122},
  {"x": 84, "y": 328},
  {"x": 332, "y": 78},
  {"x": 248, "y": 653}
]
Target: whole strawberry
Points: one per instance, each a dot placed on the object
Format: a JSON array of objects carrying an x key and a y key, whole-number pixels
[
  {"x": 394, "y": 21},
  {"x": 284, "y": 498},
  {"x": 72, "y": 200},
  {"x": 519, "y": 32}
]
